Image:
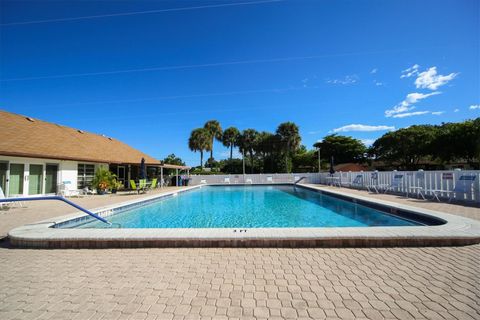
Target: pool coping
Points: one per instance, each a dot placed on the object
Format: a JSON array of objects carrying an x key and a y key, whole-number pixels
[{"x": 456, "y": 231}]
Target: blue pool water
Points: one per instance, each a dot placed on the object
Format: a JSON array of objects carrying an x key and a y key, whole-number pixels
[{"x": 252, "y": 207}]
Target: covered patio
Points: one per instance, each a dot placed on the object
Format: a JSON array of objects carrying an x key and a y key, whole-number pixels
[{"x": 129, "y": 171}]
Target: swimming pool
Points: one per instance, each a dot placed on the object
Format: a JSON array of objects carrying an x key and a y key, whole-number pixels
[
  {"x": 282, "y": 206},
  {"x": 307, "y": 216}
]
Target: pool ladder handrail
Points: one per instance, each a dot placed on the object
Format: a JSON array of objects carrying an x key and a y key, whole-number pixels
[
  {"x": 296, "y": 182},
  {"x": 59, "y": 199}
]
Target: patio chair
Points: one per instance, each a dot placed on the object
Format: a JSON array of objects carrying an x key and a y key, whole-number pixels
[
  {"x": 226, "y": 180},
  {"x": 203, "y": 181},
  {"x": 464, "y": 185},
  {"x": 142, "y": 184},
  {"x": 88, "y": 192},
  {"x": 133, "y": 186},
  {"x": 154, "y": 183},
  {"x": 357, "y": 182},
  {"x": 270, "y": 179},
  {"x": 249, "y": 180}
]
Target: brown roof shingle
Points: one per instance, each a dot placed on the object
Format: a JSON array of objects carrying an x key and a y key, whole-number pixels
[{"x": 27, "y": 137}]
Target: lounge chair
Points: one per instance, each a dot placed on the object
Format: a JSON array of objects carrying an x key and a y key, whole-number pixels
[
  {"x": 249, "y": 180},
  {"x": 464, "y": 185},
  {"x": 396, "y": 183},
  {"x": 357, "y": 182},
  {"x": 373, "y": 187},
  {"x": 270, "y": 179},
  {"x": 226, "y": 180},
  {"x": 203, "y": 181},
  {"x": 7, "y": 205},
  {"x": 64, "y": 190}
]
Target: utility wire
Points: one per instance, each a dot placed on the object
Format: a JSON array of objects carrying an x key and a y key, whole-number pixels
[
  {"x": 139, "y": 12},
  {"x": 203, "y": 65}
]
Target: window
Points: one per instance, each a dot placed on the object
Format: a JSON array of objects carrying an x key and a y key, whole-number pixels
[{"x": 85, "y": 175}]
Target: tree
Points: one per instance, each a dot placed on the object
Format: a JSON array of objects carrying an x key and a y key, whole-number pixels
[
  {"x": 215, "y": 132},
  {"x": 230, "y": 139},
  {"x": 173, "y": 159},
  {"x": 406, "y": 146},
  {"x": 343, "y": 149},
  {"x": 200, "y": 141},
  {"x": 458, "y": 141},
  {"x": 289, "y": 135},
  {"x": 247, "y": 141}
]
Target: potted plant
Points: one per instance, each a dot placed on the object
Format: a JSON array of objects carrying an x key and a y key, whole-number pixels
[
  {"x": 117, "y": 185},
  {"x": 103, "y": 180}
]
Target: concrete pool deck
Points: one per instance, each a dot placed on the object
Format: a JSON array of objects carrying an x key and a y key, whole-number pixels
[
  {"x": 239, "y": 283},
  {"x": 457, "y": 231}
]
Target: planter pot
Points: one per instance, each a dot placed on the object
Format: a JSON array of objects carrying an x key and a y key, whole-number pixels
[
  {"x": 101, "y": 192},
  {"x": 114, "y": 191}
]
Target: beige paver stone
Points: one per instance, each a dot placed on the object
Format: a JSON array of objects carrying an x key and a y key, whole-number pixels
[{"x": 235, "y": 283}]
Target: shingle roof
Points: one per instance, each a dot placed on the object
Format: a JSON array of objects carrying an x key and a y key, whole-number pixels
[{"x": 28, "y": 137}]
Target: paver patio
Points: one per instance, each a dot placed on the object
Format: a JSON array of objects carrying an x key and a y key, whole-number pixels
[{"x": 216, "y": 283}]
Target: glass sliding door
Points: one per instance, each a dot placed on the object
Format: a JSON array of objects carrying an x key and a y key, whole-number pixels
[
  {"x": 16, "y": 179},
  {"x": 3, "y": 176},
  {"x": 35, "y": 179},
  {"x": 51, "y": 173}
]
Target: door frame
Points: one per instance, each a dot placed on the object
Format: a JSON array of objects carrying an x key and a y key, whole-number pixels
[
  {"x": 7, "y": 177},
  {"x": 45, "y": 176}
]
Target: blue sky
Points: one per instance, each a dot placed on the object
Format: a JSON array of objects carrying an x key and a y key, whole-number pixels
[{"x": 147, "y": 75}]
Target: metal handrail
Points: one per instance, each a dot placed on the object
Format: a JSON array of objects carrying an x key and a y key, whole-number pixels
[
  {"x": 299, "y": 180},
  {"x": 60, "y": 199}
]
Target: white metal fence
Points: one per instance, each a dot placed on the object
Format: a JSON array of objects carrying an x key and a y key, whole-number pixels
[{"x": 443, "y": 183}]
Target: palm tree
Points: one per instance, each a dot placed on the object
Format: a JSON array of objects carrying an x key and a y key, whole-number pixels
[
  {"x": 215, "y": 131},
  {"x": 230, "y": 139},
  {"x": 289, "y": 135},
  {"x": 199, "y": 141},
  {"x": 264, "y": 145},
  {"x": 247, "y": 142}
]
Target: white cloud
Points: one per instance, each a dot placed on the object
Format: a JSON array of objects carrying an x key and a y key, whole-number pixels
[
  {"x": 349, "y": 79},
  {"x": 410, "y": 114},
  {"x": 378, "y": 83},
  {"x": 362, "y": 127},
  {"x": 367, "y": 142},
  {"x": 456, "y": 110},
  {"x": 406, "y": 104},
  {"x": 374, "y": 70},
  {"x": 431, "y": 80},
  {"x": 474, "y": 106},
  {"x": 410, "y": 72},
  {"x": 437, "y": 113}
]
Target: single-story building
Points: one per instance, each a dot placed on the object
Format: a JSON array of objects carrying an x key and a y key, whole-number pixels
[{"x": 36, "y": 157}]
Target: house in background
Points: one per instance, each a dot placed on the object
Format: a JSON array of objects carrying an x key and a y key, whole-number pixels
[{"x": 37, "y": 156}]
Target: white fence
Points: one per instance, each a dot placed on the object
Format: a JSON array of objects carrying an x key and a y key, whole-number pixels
[
  {"x": 406, "y": 183},
  {"x": 255, "y": 178}
]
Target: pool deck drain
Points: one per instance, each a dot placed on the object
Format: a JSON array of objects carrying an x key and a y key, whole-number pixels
[{"x": 457, "y": 231}]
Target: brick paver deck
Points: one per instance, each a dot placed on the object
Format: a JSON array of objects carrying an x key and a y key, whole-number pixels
[{"x": 378, "y": 283}]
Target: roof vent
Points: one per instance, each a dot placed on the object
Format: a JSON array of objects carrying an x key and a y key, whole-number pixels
[
  {"x": 80, "y": 131},
  {"x": 110, "y": 139},
  {"x": 30, "y": 119}
]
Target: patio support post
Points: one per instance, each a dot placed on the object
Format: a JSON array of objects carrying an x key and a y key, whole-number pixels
[
  {"x": 177, "y": 176},
  {"x": 161, "y": 177}
]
